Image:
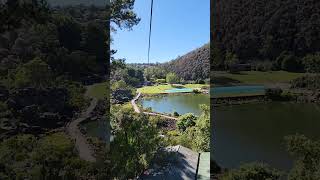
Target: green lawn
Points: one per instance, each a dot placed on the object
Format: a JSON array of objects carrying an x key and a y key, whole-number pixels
[
  {"x": 157, "y": 89},
  {"x": 255, "y": 77},
  {"x": 98, "y": 90}
]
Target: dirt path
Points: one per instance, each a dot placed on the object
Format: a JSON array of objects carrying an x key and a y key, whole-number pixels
[
  {"x": 162, "y": 115},
  {"x": 137, "y": 110},
  {"x": 83, "y": 147},
  {"x": 133, "y": 103}
]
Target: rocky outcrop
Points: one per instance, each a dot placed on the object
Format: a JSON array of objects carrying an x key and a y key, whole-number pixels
[{"x": 35, "y": 110}]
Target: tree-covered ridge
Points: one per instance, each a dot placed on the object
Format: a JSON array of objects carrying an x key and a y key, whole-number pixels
[
  {"x": 194, "y": 65},
  {"x": 268, "y": 34},
  {"x": 263, "y": 29}
]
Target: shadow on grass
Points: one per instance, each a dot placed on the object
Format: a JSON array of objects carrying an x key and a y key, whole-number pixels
[{"x": 225, "y": 81}]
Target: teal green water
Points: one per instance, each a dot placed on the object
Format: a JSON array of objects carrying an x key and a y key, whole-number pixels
[
  {"x": 255, "y": 132},
  {"x": 181, "y": 103},
  {"x": 178, "y": 90},
  {"x": 240, "y": 90}
]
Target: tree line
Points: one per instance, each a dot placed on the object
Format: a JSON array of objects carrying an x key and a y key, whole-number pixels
[{"x": 272, "y": 34}]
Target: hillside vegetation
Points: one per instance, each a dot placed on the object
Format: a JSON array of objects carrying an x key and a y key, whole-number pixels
[
  {"x": 281, "y": 32},
  {"x": 194, "y": 65}
]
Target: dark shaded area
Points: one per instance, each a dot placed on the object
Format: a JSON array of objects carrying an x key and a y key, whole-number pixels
[{"x": 223, "y": 81}]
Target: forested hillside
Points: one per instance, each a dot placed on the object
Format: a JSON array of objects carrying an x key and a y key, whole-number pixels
[
  {"x": 194, "y": 65},
  {"x": 263, "y": 30}
]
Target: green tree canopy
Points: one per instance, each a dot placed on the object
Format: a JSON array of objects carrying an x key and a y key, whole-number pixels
[
  {"x": 139, "y": 148},
  {"x": 172, "y": 78},
  {"x": 185, "y": 121},
  {"x": 35, "y": 73}
]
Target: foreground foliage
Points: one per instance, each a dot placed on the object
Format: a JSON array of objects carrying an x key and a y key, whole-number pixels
[
  {"x": 306, "y": 156},
  {"x": 136, "y": 139},
  {"x": 50, "y": 157}
]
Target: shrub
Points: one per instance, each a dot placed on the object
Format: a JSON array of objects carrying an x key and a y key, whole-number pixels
[
  {"x": 160, "y": 81},
  {"x": 176, "y": 114},
  {"x": 185, "y": 121},
  {"x": 312, "y": 63},
  {"x": 290, "y": 63},
  {"x": 172, "y": 78},
  {"x": 309, "y": 82},
  {"x": 197, "y": 91},
  {"x": 252, "y": 171},
  {"x": 274, "y": 93},
  {"x": 121, "y": 96}
]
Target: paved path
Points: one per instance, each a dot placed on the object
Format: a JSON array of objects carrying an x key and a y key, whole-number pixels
[
  {"x": 83, "y": 147},
  {"x": 137, "y": 110}
]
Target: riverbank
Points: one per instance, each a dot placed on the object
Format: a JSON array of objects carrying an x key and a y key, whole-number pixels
[
  {"x": 224, "y": 78},
  {"x": 163, "y": 88},
  {"x": 238, "y": 100}
]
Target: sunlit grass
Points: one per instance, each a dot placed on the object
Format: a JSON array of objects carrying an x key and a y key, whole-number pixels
[
  {"x": 258, "y": 77},
  {"x": 99, "y": 91},
  {"x": 157, "y": 89}
]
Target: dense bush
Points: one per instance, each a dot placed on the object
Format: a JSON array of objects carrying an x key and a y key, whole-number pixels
[
  {"x": 312, "y": 63},
  {"x": 306, "y": 153},
  {"x": 120, "y": 96},
  {"x": 309, "y": 82},
  {"x": 176, "y": 114},
  {"x": 135, "y": 138},
  {"x": 252, "y": 171},
  {"x": 185, "y": 121},
  {"x": 50, "y": 157},
  {"x": 172, "y": 78},
  {"x": 273, "y": 93},
  {"x": 291, "y": 63}
]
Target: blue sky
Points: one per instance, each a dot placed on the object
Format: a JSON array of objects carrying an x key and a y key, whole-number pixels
[{"x": 178, "y": 27}]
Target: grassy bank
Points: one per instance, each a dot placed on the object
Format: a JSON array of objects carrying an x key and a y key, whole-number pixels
[
  {"x": 254, "y": 77},
  {"x": 98, "y": 91},
  {"x": 158, "y": 89}
]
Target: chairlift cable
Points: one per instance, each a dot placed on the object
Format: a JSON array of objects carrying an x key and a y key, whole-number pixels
[{"x": 150, "y": 31}]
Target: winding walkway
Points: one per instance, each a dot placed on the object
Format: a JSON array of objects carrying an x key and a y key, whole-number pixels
[
  {"x": 83, "y": 147},
  {"x": 137, "y": 110}
]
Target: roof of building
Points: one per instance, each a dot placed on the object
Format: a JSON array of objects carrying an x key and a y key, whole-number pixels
[
  {"x": 180, "y": 163},
  {"x": 204, "y": 166}
]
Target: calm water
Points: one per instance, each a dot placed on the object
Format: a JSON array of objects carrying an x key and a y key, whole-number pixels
[
  {"x": 240, "y": 90},
  {"x": 254, "y": 132},
  {"x": 175, "y": 90},
  {"x": 181, "y": 103}
]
